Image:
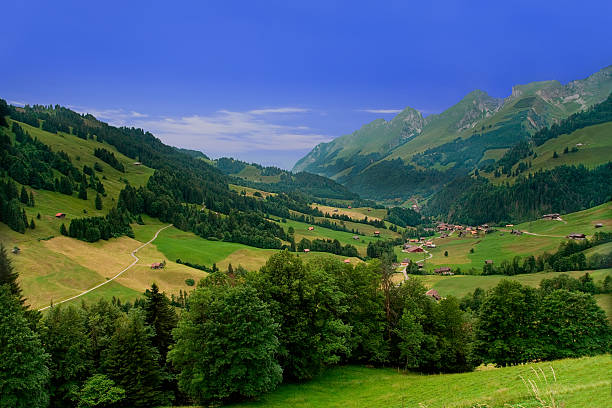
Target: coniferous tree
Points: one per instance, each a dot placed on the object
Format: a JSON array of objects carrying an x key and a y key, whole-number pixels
[
  {"x": 160, "y": 315},
  {"x": 23, "y": 362},
  {"x": 31, "y": 200},
  {"x": 98, "y": 202},
  {"x": 8, "y": 276},
  {"x": 83, "y": 191},
  {"x": 24, "y": 198},
  {"x": 32, "y": 225},
  {"x": 132, "y": 362},
  {"x": 63, "y": 230}
]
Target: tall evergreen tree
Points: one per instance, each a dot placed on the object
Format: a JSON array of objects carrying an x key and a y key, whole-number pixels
[
  {"x": 8, "y": 276},
  {"x": 23, "y": 362},
  {"x": 98, "y": 202},
  {"x": 132, "y": 362},
  {"x": 24, "y": 198},
  {"x": 160, "y": 315}
]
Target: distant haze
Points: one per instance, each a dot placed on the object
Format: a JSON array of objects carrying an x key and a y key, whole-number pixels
[{"x": 267, "y": 81}]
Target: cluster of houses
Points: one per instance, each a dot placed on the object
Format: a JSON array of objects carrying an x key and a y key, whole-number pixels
[
  {"x": 416, "y": 245},
  {"x": 445, "y": 229}
]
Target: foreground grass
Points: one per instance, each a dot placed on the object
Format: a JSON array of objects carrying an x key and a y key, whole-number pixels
[{"x": 583, "y": 382}]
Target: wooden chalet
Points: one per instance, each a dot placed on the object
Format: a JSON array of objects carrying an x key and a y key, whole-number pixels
[
  {"x": 488, "y": 262},
  {"x": 444, "y": 270},
  {"x": 60, "y": 215},
  {"x": 599, "y": 225},
  {"x": 377, "y": 233},
  {"x": 553, "y": 216},
  {"x": 576, "y": 236},
  {"x": 347, "y": 261},
  {"x": 157, "y": 265},
  {"x": 306, "y": 250},
  {"x": 434, "y": 294},
  {"x": 310, "y": 228},
  {"x": 415, "y": 249},
  {"x": 356, "y": 237}
]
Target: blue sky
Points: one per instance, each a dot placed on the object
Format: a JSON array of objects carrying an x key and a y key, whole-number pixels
[{"x": 265, "y": 81}]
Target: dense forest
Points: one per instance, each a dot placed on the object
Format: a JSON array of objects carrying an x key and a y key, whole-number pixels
[
  {"x": 307, "y": 183},
  {"x": 238, "y": 335},
  {"x": 564, "y": 189}
]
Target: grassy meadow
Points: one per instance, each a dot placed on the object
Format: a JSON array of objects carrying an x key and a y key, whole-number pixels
[{"x": 580, "y": 383}]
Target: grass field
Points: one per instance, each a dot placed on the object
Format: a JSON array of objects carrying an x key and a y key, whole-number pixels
[
  {"x": 580, "y": 383},
  {"x": 460, "y": 285},
  {"x": 354, "y": 213},
  {"x": 580, "y": 222}
]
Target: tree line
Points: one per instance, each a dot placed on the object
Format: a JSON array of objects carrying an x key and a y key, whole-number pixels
[
  {"x": 563, "y": 189},
  {"x": 237, "y": 336}
]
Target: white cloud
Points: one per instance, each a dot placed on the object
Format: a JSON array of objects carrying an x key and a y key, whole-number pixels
[
  {"x": 381, "y": 110},
  {"x": 227, "y": 132},
  {"x": 277, "y": 110}
]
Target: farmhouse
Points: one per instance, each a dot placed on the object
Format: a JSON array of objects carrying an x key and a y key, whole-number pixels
[
  {"x": 415, "y": 249},
  {"x": 377, "y": 233},
  {"x": 60, "y": 215},
  {"x": 516, "y": 232},
  {"x": 445, "y": 270},
  {"x": 509, "y": 225},
  {"x": 137, "y": 164},
  {"x": 553, "y": 216},
  {"x": 430, "y": 244},
  {"x": 434, "y": 294},
  {"x": 598, "y": 225},
  {"x": 356, "y": 237},
  {"x": 158, "y": 265},
  {"x": 576, "y": 236},
  {"x": 405, "y": 262},
  {"x": 488, "y": 262},
  {"x": 347, "y": 261},
  {"x": 310, "y": 228},
  {"x": 306, "y": 250}
]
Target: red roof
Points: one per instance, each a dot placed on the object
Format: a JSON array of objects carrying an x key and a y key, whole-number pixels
[
  {"x": 60, "y": 214},
  {"x": 347, "y": 261}
]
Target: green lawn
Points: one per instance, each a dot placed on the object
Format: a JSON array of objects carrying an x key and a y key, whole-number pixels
[{"x": 580, "y": 383}]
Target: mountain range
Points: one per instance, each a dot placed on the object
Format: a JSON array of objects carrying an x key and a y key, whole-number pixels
[{"x": 427, "y": 151}]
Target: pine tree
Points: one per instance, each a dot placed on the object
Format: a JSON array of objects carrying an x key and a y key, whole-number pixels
[
  {"x": 32, "y": 225},
  {"x": 38, "y": 216},
  {"x": 31, "y": 200},
  {"x": 23, "y": 362},
  {"x": 98, "y": 202},
  {"x": 8, "y": 276},
  {"x": 24, "y": 198},
  {"x": 160, "y": 315},
  {"x": 132, "y": 362},
  {"x": 83, "y": 191},
  {"x": 63, "y": 230}
]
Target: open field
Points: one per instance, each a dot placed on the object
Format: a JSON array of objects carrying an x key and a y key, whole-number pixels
[
  {"x": 460, "y": 285},
  {"x": 580, "y": 383},
  {"x": 174, "y": 243},
  {"x": 301, "y": 231},
  {"x": 580, "y": 222},
  {"x": 354, "y": 213},
  {"x": 249, "y": 191}
]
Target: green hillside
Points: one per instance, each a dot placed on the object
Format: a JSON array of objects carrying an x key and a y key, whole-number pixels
[
  {"x": 580, "y": 383},
  {"x": 469, "y": 134}
]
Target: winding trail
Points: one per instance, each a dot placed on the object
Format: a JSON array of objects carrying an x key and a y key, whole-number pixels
[{"x": 136, "y": 259}]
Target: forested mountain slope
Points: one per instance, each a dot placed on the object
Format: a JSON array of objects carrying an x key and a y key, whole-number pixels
[{"x": 473, "y": 133}]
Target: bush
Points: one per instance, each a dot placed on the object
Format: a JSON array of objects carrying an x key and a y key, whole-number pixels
[{"x": 189, "y": 282}]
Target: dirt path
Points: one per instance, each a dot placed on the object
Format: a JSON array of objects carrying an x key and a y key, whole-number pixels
[{"x": 136, "y": 259}]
